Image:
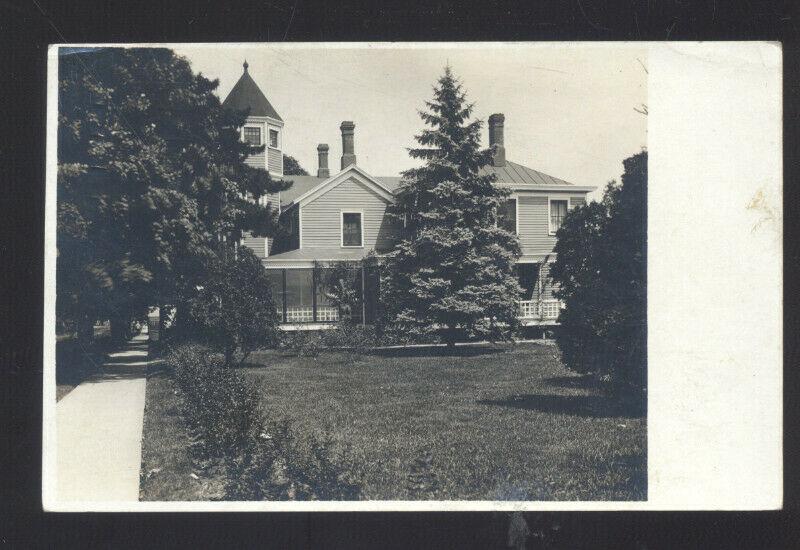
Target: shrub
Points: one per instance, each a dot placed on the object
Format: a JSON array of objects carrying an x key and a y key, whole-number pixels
[
  {"x": 260, "y": 460},
  {"x": 303, "y": 343},
  {"x": 313, "y": 473},
  {"x": 220, "y": 406},
  {"x": 601, "y": 265},
  {"x": 234, "y": 308},
  {"x": 351, "y": 336}
]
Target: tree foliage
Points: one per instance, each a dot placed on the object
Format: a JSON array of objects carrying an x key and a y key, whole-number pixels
[
  {"x": 291, "y": 167},
  {"x": 601, "y": 267},
  {"x": 452, "y": 271},
  {"x": 151, "y": 181},
  {"x": 340, "y": 283},
  {"x": 233, "y": 309}
]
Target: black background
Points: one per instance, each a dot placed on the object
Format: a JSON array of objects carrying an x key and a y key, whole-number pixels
[{"x": 28, "y": 26}]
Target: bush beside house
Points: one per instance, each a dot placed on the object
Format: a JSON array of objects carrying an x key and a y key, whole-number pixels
[{"x": 601, "y": 266}]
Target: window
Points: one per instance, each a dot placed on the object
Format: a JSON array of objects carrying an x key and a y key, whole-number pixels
[
  {"x": 252, "y": 135},
  {"x": 273, "y": 138},
  {"x": 507, "y": 216},
  {"x": 558, "y": 209},
  {"x": 351, "y": 229}
]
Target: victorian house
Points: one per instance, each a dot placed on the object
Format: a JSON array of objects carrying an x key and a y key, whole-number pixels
[{"x": 340, "y": 215}]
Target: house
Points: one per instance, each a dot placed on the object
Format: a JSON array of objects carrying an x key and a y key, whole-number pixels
[{"x": 341, "y": 216}]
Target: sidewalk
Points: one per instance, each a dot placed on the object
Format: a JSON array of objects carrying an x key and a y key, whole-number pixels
[{"x": 99, "y": 430}]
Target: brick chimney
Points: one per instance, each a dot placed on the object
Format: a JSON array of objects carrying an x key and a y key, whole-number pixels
[
  {"x": 496, "y": 122},
  {"x": 348, "y": 154},
  {"x": 322, "y": 153}
]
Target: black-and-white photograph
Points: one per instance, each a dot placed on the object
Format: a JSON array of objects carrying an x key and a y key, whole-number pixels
[{"x": 351, "y": 273}]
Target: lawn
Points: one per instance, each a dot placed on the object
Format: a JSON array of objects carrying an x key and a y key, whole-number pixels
[{"x": 485, "y": 423}]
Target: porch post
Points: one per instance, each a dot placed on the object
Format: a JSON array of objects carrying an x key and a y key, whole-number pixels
[
  {"x": 363, "y": 297},
  {"x": 314, "y": 293},
  {"x": 283, "y": 294}
]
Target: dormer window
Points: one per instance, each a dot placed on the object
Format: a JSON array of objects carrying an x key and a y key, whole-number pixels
[
  {"x": 252, "y": 135},
  {"x": 273, "y": 138}
]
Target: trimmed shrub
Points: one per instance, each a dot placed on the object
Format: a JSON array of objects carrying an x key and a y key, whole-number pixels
[
  {"x": 351, "y": 336},
  {"x": 303, "y": 343},
  {"x": 260, "y": 460}
]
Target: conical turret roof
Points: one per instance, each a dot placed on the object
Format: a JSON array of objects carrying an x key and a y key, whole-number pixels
[{"x": 247, "y": 95}]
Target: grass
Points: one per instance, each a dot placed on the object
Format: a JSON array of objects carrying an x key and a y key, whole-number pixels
[
  {"x": 167, "y": 464},
  {"x": 504, "y": 423}
]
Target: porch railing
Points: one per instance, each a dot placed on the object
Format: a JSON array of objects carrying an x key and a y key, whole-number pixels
[
  {"x": 528, "y": 309},
  {"x": 536, "y": 309},
  {"x": 305, "y": 314}
]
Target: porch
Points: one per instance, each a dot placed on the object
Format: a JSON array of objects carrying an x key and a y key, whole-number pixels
[{"x": 303, "y": 297}]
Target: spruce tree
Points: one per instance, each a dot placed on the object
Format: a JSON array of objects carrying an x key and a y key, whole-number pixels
[{"x": 451, "y": 273}]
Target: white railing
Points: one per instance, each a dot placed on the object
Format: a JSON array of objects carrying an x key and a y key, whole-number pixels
[
  {"x": 305, "y": 314},
  {"x": 299, "y": 314},
  {"x": 535, "y": 309},
  {"x": 327, "y": 313}
]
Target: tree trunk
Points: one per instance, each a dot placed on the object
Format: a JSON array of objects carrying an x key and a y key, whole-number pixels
[
  {"x": 120, "y": 328},
  {"x": 162, "y": 320},
  {"x": 450, "y": 337},
  {"x": 86, "y": 330},
  {"x": 229, "y": 353}
]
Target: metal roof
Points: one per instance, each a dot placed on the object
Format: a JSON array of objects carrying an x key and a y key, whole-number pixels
[
  {"x": 517, "y": 173},
  {"x": 247, "y": 95},
  {"x": 510, "y": 173}
]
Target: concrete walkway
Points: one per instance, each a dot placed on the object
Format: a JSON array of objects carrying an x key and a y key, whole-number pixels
[{"x": 99, "y": 430}]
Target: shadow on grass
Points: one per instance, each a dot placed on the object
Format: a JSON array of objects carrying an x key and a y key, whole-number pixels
[
  {"x": 574, "y": 405},
  {"x": 582, "y": 382},
  {"x": 440, "y": 351}
]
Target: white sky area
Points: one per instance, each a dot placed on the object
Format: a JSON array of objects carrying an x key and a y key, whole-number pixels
[{"x": 569, "y": 109}]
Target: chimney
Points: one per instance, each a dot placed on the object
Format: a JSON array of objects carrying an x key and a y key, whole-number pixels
[
  {"x": 496, "y": 122},
  {"x": 322, "y": 153},
  {"x": 348, "y": 154}
]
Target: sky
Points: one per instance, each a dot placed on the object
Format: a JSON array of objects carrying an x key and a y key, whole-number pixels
[{"x": 569, "y": 109}]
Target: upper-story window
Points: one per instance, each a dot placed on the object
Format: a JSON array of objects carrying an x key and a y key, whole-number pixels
[
  {"x": 352, "y": 234},
  {"x": 273, "y": 138},
  {"x": 252, "y": 135},
  {"x": 507, "y": 216},
  {"x": 558, "y": 210}
]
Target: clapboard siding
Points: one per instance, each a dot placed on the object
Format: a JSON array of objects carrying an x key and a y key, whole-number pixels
[
  {"x": 275, "y": 158},
  {"x": 577, "y": 201},
  {"x": 321, "y": 218},
  {"x": 534, "y": 225},
  {"x": 257, "y": 160},
  {"x": 259, "y": 245}
]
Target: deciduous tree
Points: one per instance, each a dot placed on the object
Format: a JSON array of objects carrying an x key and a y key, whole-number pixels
[
  {"x": 601, "y": 266},
  {"x": 151, "y": 181}
]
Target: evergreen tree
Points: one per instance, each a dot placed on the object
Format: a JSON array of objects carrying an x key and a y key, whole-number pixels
[
  {"x": 452, "y": 271},
  {"x": 601, "y": 267},
  {"x": 151, "y": 182}
]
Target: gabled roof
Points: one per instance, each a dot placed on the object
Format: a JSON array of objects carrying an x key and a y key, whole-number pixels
[
  {"x": 303, "y": 185},
  {"x": 517, "y": 173},
  {"x": 247, "y": 95}
]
